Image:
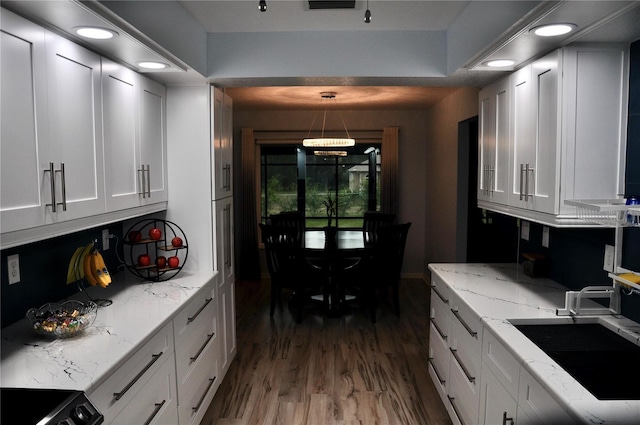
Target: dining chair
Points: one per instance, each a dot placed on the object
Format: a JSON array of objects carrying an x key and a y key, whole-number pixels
[
  {"x": 293, "y": 220},
  {"x": 378, "y": 270},
  {"x": 288, "y": 269},
  {"x": 372, "y": 222}
]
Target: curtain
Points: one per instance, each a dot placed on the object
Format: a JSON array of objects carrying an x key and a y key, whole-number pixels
[{"x": 389, "y": 173}]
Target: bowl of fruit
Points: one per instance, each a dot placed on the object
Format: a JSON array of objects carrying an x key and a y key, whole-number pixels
[{"x": 62, "y": 320}]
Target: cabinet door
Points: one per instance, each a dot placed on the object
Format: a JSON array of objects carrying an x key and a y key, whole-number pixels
[
  {"x": 222, "y": 149},
  {"x": 537, "y": 406},
  {"x": 543, "y": 182},
  {"x": 497, "y": 406},
  {"x": 493, "y": 153},
  {"x": 522, "y": 152},
  {"x": 121, "y": 136},
  {"x": 24, "y": 147},
  {"x": 75, "y": 128},
  {"x": 153, "y": 146}
]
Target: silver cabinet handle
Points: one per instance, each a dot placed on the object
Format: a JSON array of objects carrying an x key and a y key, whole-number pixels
[
  {"x": 492, "y": 180},
  {"x": 446, "y": 301},
  {"x": 148, "y": 180},
  {"x": 157, "y": 408},
  {"x": 442, "y": 381},
  {"x": 52, "y": 183},
  {"x": 154, "y": 358},
  {"x": 455, "y": 409},
  {"x": 526, "y": 180},
  {"x": 64, "y": 186},
  {"x": 470, "y": 378},
  {"x": 521, "y": 181},
  {"x": 143, "y": 180},
  {"x": 467, "y": 327},
  {"x": 197, "y": 407},
  {"x": 435, "y": 325},
  {"x": 194, "y": 358},
  {"x": 192, "y": 318},
  {"x": 227, "y": 225}
]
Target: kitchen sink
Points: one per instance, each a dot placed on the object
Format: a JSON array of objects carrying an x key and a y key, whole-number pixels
[{"x": 602, "y": 361}]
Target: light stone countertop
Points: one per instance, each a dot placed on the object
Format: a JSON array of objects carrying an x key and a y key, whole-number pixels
[
  {"x": 84, "y": 361},
  {"x": 497, "y": 293}
]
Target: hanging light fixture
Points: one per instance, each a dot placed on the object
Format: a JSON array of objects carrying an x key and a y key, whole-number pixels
[
  {"x": 328, "y": 142},
  {"x": 330, "y": 153},
  {"x": 367, "y": 14},
  {"x": 262, "y": 6}
]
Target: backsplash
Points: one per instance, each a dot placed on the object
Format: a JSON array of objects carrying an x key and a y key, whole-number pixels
[{"x": 43, "y": 270}]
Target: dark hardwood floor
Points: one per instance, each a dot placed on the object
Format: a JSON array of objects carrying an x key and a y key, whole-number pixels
[{"x": 329, "y": 371}]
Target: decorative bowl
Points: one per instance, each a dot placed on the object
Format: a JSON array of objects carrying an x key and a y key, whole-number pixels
[{"x": 62, "y": 320}]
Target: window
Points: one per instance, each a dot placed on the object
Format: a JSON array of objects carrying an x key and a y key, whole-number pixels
[{"x": 293, "y": 178}]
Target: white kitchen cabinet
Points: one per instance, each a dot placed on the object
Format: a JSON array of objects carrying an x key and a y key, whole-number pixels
[
  {"x": 197, "y": 355},
  {"x": 130, "y": 382},
  {"x": 567, "y": 133},
  {"x": 135, "y": 138},
  {"x": 222, "y": 141},
  {"x": 493, "y": 143},
  {"x": 497, "y": 406},
  {"x": 226, "y": 285},
  {"x": 439, "y": 330},
  {"x": 53, "y": 119},
  {"x": 536, "y": 406}
]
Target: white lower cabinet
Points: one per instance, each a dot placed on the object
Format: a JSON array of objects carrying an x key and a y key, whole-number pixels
[
  {"x": 498, "y": 406},
  {"x": 536, "y": 404}
]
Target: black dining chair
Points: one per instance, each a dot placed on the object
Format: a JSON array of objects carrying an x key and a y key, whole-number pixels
[
  {"x": 288, "y": 269},
  {"x": 371, "y": 224},
  {"x": 293, "y": 220},
  {"x": 378, "y": 270}
]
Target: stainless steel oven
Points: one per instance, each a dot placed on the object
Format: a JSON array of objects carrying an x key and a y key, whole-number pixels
[{"x": 26, "y": 406}]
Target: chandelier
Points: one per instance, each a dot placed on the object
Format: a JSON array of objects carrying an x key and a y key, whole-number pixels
[{"x": 328, "y": 142}]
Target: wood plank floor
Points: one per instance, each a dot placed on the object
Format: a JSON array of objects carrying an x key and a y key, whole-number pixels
[{"x": 325, "y": 371}]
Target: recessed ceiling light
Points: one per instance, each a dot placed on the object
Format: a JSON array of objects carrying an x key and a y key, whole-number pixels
[
  {"x": 95, "y": 33},
  {"x": 152, "y": 65},
  {"x": 553, "y": 29},
  {"x": 500, "y": 63}
]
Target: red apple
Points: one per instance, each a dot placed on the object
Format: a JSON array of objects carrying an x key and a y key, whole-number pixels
[
  {"x": 155, "y": 234},
  {"x": 176, "y": 242},
  {"x": 135, "y": 236},
  {"x": 144, "y": 260},
  {"x": 173, "y": 262},
  {"x": 161, "y": 262}
]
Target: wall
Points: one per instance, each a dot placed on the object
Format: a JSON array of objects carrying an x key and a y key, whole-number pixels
[
  {"x": 440, "y": 170},
  {"x": 412, "y": 151}
]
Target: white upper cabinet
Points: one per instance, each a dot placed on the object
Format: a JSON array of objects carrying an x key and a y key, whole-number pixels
[
  {"x": 567, "y": 133},
  {"x": 135, "y": 139},
  {"x": 222, "y": 149},
  {"x": 493, "y": 147},
  {"x": 52, "y": 165}
]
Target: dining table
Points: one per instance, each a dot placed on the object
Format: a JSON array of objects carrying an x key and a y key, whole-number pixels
[{"x": 333, "y": 250}]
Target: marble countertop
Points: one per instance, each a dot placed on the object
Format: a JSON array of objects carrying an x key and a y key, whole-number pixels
[
  {"x": 139, "y": 309},
  {"x": 498, "y": 293}
]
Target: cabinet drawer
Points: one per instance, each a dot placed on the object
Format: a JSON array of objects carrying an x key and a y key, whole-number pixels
[
  {"x": 466, "y": 320},
  {"x": 501, "y": 362},
  {"x": 439, "y": 356},
  {"x": 441, "y": 289},
  {"x": 156, "y": 403},
  {"x": 195, "y": 314},
  {"x": 464, "y": 395},
  {"x": 537, "y": 405},
  {"x": 463, "y": 352},
  {"x": 440, "y": 314},
  {"x": 195, "y": 347},
  {"x": 198, "y": 388},
  {"x": 120, "y": 388}
]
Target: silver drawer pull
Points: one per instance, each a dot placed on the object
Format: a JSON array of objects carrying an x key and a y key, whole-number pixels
[
  {"x": 192, "y": 318},
  {"x": 63, "y": 178},
  {"x": 197, "y": 407},
  {"x": 194, "y": 358},
  {"x": 155, "y": 412},
  {"x": 154, "y": 358},
  {"x": 455, "y": 409},
  {"x": 52, "y": 183},
  {"x": 435, "y": 325},
  {"x": 467, "y": 327},
  {"x": 430, "y": 360},
  {"x": 470, "y": 378},
  {"x": 446, "y": 301},
  {"x": 143, "y": 181}
]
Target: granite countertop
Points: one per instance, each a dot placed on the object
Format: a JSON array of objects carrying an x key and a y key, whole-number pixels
[
  {"x": 138, "y": 311},
  {"x": 498, "y": 293}
]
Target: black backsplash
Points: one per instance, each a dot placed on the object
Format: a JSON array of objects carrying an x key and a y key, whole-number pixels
[{"x": 43, "y": 270}]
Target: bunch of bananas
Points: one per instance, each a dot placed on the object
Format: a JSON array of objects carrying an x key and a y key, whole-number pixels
[{"x": 87, "y": 263}]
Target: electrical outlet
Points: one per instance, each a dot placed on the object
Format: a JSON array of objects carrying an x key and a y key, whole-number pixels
[
  {"x": 13, "y": 268},
  {"x": 105, "y": 239},
  {"x": 609, "y": 253},
  {"x": 524, "y": 231},
  {"x": 545, "y": 236}
]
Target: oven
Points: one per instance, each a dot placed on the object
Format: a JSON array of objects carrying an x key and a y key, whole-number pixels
[{"x": 27, "y": 406}]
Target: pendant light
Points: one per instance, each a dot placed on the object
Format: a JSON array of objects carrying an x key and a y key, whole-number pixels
[
  {"x": 328, "y": 142},
  {"x": 262, "y": 6},
  {"x": 367, "y": 14}
]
